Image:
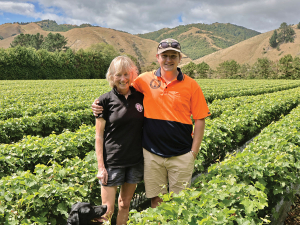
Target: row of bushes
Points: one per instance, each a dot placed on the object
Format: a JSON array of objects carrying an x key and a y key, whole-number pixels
[
  {"x": 240, "y": 190},
  {"x": 21, "y": 63},
  {"x": 286, "y": 68}
]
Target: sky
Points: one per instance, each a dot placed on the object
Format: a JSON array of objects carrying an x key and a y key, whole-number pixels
[{"x": 142, "y": 16}]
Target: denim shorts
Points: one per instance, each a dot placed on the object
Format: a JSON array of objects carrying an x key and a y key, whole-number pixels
[{"x": 118, "y": 176}]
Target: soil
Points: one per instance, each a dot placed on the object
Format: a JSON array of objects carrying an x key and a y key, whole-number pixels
[{"x": 293, "y": 217}]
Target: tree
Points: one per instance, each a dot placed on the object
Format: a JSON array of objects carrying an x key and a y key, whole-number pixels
[
  {"x": 54, "y": 42},
  {"x": 273, "y": 40},
  {"x": 28, "y": 40},
  {"x": 262, "y": 68},
  {"x": 296, "y": 68},
  {"x": 228, "y": 69},
  {"x": 286, "y": 67},
  {"x": 286, "y": 33},
  {"x": 22, "y": 40},
  {"x": 1, "y": 38},
  {"x": 202, "y": 69},
  {"x": 189, "y": 69},
  {"x": 298, "y": 25}
]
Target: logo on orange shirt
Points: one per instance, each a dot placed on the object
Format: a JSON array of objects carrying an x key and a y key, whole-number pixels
[{"x": 154, "y": 84}]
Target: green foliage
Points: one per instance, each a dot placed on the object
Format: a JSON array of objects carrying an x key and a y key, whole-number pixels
[
  {"x": 26, "y": 63},
  {"x": 54, "y": 42},
  {"x": 202, "y": 70},
  {"x": 43, "y": 124},
  {"x": 189, "y": 69},
  {"x": 286, "y": 67},
  {"x": 153, "y": 66},
  {"x": 1, "y": 38},
  {"x": 245, "y": 187},
  {"x": 286, "y": 33},
  {"x": 273, "y": 40},
  {"x": 298, "y": 25},
  {"x": 51, "y": 25},
  {"x": 228, "y": 69}
]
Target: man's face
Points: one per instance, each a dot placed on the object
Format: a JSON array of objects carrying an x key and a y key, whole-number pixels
[{"x": 168, "y": 60}]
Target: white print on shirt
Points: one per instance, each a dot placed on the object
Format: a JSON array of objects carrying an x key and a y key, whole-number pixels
[{"x": 139, "y": 107}]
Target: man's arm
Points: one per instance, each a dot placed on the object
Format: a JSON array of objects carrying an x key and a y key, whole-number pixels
[
  {"x": 97, "y": 109},
  {"x": 198, "y": 136}
]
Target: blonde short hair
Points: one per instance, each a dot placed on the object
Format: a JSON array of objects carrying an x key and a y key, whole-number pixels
[{"x": 121, "y": 64}]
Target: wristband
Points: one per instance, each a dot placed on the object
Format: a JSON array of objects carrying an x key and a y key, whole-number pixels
[{"x": 193, "y": 153}]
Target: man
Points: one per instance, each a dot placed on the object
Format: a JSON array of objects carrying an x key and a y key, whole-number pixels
[{"x": 170, "y": 97}]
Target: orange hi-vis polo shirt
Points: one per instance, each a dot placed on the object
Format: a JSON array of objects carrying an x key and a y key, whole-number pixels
[{"x": 168, "y": 108}]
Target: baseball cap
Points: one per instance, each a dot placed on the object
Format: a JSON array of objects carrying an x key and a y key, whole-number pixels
[{"x": 168, "y": 44}]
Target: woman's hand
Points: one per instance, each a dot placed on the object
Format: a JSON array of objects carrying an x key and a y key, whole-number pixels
[
  {"x": 102, "y": 175},
  {"x": 97, "y": 109}
]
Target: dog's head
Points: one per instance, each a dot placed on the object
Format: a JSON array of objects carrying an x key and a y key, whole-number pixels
[{"x": 82, "y": 213}]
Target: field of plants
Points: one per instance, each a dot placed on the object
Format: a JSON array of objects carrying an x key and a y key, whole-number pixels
[{"x": 48, "y": 163}]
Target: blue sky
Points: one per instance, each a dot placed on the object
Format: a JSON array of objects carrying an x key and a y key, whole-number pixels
[{"x": 136, "y": 16}]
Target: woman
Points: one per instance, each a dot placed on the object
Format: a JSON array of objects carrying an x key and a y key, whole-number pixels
[{"x": 119, "y": 138}]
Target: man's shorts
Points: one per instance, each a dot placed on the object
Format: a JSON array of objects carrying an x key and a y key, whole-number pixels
[
  {"x": 118, "y": 176},
  {"x": 159, "y": 172}
]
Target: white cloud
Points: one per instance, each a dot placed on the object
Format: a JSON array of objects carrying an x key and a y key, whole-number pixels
[
  {"x": 136, "y": 16},
  {"x": 17, "y": 8}
]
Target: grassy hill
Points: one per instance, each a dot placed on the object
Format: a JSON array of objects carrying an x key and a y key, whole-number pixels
[
  {"x": 250, "y": 50},
  {"x": 198, "y": 40},
  {"x": 82, "y": 38}
]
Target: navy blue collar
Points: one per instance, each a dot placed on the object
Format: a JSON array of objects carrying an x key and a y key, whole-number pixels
[{"x": 179, "y": 77}]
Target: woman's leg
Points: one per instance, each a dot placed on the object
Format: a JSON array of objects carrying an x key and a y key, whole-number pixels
[
  {"x": 108, "y": 195},
  {"x": 126, "y": 194}
]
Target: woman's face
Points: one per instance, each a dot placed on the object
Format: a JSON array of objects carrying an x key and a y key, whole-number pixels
[{"x": 122, "y": 81}]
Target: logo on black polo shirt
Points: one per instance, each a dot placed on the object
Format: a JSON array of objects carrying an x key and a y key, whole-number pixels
[
  {"x": 154, "y": 84},
  {"x": 139, "y": 107}
]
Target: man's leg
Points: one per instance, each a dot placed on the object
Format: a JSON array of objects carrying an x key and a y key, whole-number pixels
[
  {"x": 180, "y": 170},
  {"x": 155, "y": 201},
  {"x": 155, "y": 177}
]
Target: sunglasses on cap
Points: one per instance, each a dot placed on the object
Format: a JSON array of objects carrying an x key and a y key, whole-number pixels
[{"x": 169, "y": 44}]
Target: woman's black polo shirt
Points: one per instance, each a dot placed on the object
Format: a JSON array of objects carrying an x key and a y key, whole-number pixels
[{"x": 123, "y": 129}]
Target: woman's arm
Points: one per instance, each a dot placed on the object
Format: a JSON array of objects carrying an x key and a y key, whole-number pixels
[{"x": 102, "y": 173}]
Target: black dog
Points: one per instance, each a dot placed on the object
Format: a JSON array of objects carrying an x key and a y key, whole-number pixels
[{"x": 82, "y": 213}]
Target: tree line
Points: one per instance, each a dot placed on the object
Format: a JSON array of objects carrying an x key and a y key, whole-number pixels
[
  {"x": 27, "y": 63},
  {"x": 52, "y": 42},
  {"x": 286, "y": 68}
]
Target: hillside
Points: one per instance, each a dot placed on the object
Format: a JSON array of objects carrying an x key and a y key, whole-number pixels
[
  {"x": 250, "y": 50},
  {"x": 198, "y": 40},
  {"x": 83, "y": 38}
]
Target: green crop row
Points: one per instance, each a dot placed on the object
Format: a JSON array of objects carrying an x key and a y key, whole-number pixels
[
  {"x": 47, "y": 195},
  {"x": 218, "y": 93},
  {"x": 30, "y": 151},
  {"x": 233, "y": 128},
  {"x": 54, "y": 106},
  {"x": 243, "y": 189},
  {"x": 13, "y": 130}
]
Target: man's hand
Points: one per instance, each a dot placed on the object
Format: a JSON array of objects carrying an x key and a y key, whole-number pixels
[
  {"x": 97, "y": 109},
  {"x": 102, "y": 175}
]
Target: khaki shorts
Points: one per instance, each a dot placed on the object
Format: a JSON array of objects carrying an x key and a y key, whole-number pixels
[{"x": 159, "y": 172}]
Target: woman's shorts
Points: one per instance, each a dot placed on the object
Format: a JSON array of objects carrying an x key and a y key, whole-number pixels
[{"x": 118, "y": 176}]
